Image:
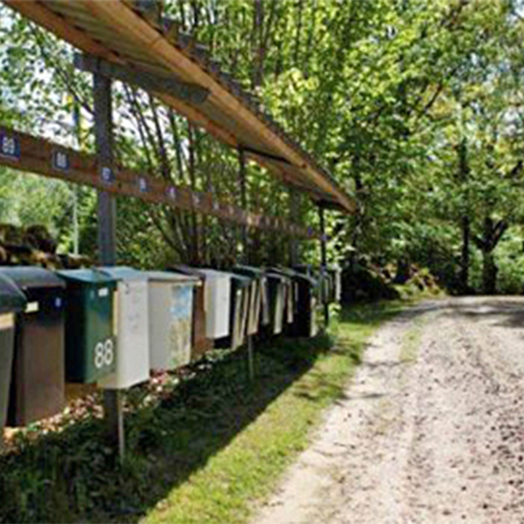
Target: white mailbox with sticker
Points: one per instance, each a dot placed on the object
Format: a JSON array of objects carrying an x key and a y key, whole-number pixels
[{"x": 132, "y": 319}]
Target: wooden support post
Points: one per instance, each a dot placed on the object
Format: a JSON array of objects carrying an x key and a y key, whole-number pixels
[
  {"x": 250, "y": 358},
  {"x": 242, "y": 179},
  {"x": 106, "y": 211},
  {"x": 106, "y": 208},
  {"x": 323, "y": 259},
  {"x": 294, "y": 259}
]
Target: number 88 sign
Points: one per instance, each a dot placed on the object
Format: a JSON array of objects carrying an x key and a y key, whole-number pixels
[{"x": 104, "y": 354}]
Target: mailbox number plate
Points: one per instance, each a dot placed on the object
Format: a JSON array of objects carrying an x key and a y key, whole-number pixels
[
  {"x": 9, "y": 146},
  {"x": 104, "y": 354},
  {"x": 60, "y": 160}
]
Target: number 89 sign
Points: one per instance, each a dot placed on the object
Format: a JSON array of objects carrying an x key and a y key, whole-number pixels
[{"x": 9, "y": 147}]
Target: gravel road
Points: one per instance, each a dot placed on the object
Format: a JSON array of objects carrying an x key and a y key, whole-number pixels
[{"x": 431, "y": 430}]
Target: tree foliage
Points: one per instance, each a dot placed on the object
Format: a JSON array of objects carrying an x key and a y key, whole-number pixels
[{"x": 414, "y": 106}]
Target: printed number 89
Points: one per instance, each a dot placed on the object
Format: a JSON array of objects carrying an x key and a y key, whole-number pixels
[{"x": 8, "y": 146}]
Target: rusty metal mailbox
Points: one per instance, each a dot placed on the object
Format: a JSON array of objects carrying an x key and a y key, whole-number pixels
[{"x": 37, "y": 384}]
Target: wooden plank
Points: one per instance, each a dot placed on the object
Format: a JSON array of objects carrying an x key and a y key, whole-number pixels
[
  {"x": 35, "y": 155},
  {"x": 60, "y": 27},
  {"x": 147, "y": 81}
]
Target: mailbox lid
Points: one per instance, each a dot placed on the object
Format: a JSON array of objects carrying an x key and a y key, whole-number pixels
[
  {"x": 249, "y": 271},
  {"x": 92, "y": 276},
  {"x": 32, "y": 278},
  {"x": 124, "y": 273},
  {"x": 240, "y": 281},
  {"x": 173, "y": 278},
  {"x": 12, "y": 300}
]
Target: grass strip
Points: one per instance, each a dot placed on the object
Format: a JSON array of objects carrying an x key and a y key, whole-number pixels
[
  {"x": 204, "y": 447},
  {"x": 247, "y": 470}
]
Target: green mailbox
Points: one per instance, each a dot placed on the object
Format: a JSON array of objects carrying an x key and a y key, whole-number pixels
[{"x": 89, "y": 325}]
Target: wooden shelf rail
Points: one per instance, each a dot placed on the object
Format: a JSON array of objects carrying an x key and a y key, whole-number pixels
[{"x": 36, "y": 155}]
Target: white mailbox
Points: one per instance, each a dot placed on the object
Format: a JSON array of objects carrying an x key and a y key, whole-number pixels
[
  {"x": 132, "y": 328},
  {"x": 218, "y": 301},
  {"x": 170, "y": 319},
  {"x": 278, "y": 287},
  {"x": 336, "y": 271}
]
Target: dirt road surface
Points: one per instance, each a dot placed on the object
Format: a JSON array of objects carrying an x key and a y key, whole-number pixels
[{"x": 431, "y": 430}]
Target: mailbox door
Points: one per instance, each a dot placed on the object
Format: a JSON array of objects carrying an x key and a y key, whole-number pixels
[
  {"x": 7, "y": 339},
  {"x": 37, "y": 389},
  {"x": 201, "y": 344},
  {"x": 132, "y": 334},
  {"x": 180, "y": 325},
  {"x": 100, "y": 331},
  {"x": 218, "y": 302},
  {"x": 170, "y": 324}
]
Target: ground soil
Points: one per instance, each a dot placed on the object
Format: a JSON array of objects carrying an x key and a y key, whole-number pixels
[{"x": 430, "y": 430}]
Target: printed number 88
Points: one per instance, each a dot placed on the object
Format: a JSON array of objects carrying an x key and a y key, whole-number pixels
[{"x": 104, "y": 353}]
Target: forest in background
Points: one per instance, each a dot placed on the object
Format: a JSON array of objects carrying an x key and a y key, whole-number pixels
[{"x": 415, "y": 107}]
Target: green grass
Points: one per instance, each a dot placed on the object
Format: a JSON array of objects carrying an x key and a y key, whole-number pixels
[
  {"x": 204, "y": 449},
  {"x": 248, "y": 469}
]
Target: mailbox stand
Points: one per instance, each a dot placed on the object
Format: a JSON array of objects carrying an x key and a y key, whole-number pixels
[
  {"x": 245, "y": 255},
  {"x": 113, "y": 399},
  {"x": 323, "y": 256}
]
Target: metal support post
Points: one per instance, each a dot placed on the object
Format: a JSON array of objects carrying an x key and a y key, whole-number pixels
[
  {"x": 106, "y": 211},
  {"x": 323, "y": 258}
]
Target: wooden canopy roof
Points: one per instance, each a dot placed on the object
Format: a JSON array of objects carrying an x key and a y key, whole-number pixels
[{"x": 135, "y": 40}]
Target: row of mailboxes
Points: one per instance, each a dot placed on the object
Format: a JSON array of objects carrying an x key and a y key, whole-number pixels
[{"x": 112, "y": 326}]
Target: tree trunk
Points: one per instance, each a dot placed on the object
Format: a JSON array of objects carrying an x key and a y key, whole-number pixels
[
  {"x": 465, "y": 219},
  {"x": 489, "y": 273},
  {"x": 464, "y": 259}
]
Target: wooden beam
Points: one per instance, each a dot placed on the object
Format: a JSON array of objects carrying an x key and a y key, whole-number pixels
[
  {"x": 61, "y": 27},
  {"x": 27, "y": 153},
  {"x": 171, "y": 57},
  {"x": 125, "y": 21},
  {"x": 198, "y": 119},
  {"x": 148, "y": 81}
]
